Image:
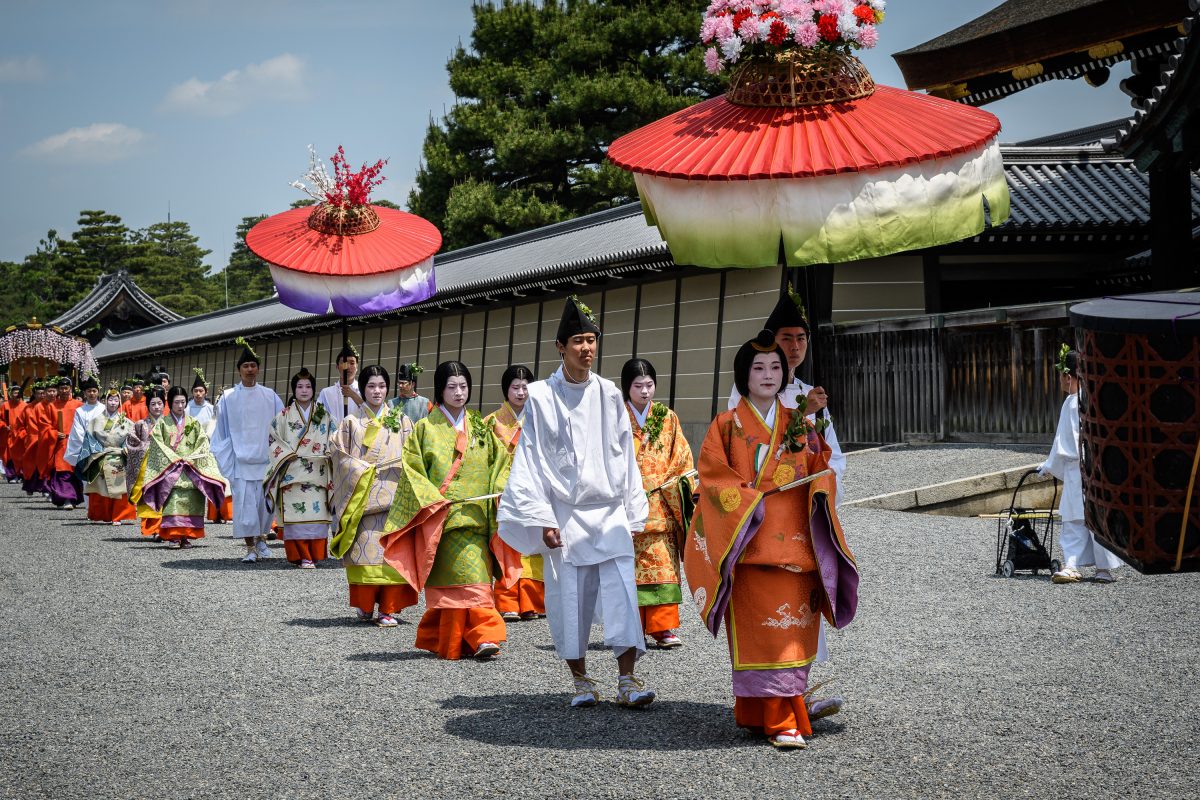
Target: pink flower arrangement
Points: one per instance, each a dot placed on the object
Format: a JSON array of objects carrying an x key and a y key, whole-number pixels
[{"x": 734, "y": 29}]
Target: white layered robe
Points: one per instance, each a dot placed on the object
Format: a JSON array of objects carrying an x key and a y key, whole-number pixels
[
  {"x": 331, "y": 398},
  {"x": 205, "y": 414},
  {"x": 1079, "y": 546},
  {"x": 574, "y": 469},
  {"x": 79, "y": 428},
  {"x": 239, "y": 443}
]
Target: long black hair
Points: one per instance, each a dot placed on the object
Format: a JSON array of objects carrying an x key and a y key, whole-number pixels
[
  {"x": 303, "y": 375},
  {"x": 636, "y": 368},
  {"x": 516, "y": 372},
  {"x": 442, "y": 375},
  {"x": 763, "y": 343},
  {"x": 371, "y": 372}
]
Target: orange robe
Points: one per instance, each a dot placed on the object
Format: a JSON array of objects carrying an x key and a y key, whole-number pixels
[
  {"x": 11, "y": 446},
  {"x": 135, "y": 409},
  {"x": 60, "y": 415},
  {"x": 35, "y": 421},
  {"x": 527, "y": 597},
  {"x": 768, "y": 564}
]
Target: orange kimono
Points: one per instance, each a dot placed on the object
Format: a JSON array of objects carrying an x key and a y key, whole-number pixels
[
  {"x": 12, "y": 447},
  {"x": 527, "y": 598},
  {"x": 135, "y": 410},
  {"x": 33, "y": 462},
  {"x": 662, "y": 454},
  {"x": 768, "y": 563}
]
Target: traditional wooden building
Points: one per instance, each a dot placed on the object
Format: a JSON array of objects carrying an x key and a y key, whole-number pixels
[{"x": 1078, "y": 212}]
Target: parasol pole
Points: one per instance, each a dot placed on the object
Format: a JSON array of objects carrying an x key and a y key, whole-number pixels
[{"x": 345, "y": 373}]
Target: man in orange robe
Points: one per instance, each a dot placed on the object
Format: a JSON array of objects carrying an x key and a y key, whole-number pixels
[
  {"x": 64, "y": 486},
  {"x": 32, "y": 479},
  {"x": 10, "y": 447},
  {"x": 135, "y": 407}
]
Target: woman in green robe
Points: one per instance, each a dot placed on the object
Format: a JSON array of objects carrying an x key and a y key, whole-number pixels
[
  {"x": 366, "y": 453},
  {"x": 455, "y": 467},
  {"x": 181, "y": 474}
]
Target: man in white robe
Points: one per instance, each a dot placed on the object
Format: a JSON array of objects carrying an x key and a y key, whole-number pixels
[
  {"x": 1079, "y": 545},
  {"x": 575, "y": 496},
  {"x": 342, "y": 395},
  {"x": 83, "y": 418},
  {"x": 239, "y": 443},
  {"x": 790, "y": 326},
  {"x": 198, "y": 407}
]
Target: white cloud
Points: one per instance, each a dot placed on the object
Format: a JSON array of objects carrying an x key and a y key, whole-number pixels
[
  {"x": 277, "y": 79},
  {"x": 98, "y": 143},
  {"x": 15, "y": 69}
]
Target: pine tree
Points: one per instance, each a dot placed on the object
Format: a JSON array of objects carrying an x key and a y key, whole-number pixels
[
  {"x": 167, "y": 262},
  {"x": 543, "y": 90},
  {"x": 247, "y": 276}
]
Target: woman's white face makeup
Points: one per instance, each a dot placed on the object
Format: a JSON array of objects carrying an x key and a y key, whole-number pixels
[
  {"x": 766, "y": 377},
  {"x": 304, "y": 390},
  {"x": 375, "y": 392},
  {"x": 456, "y": 393},
  {"x": 518, "y": 393},
  {"x": 641, "y": 391}
]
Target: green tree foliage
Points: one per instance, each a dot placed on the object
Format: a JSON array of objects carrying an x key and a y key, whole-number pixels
[
  {"x": 543, "y": 90},
  {"x": 167, "y": 262},
  {"x": 246, "y": 276}
]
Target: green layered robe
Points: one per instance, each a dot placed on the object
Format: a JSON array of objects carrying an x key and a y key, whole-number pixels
[
  {"x": 366, "y": 456},
  {"x": 103, "y": 465},
  {"x": 443, "y": 467},
  {"x": 180, "y": 473},
  {"x": 299, "y": 475}
]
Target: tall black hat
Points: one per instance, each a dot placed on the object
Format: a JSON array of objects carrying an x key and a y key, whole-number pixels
[
  {"x": 409, "y": 372},
  {"x": 64, "y": 377},
  {"x": 788, "y": 313},
  {"x": 576, "y": 319},
  {"x": 158, "y": 373},
  {"x": 88, "y": 383},
  {"x": 248, "y": 353},
  {"x": 348, "y": 351},
  {"x": 138, "y": 380},
  {"x": 199, "y": 381}
]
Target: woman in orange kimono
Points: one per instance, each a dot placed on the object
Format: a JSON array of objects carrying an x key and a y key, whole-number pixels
[
  {"x": 665, "y": 461},
  {"x": 527, "y": 599},
  {"x": 766, "y": 554},
  {"x": 13, "y": 447}
]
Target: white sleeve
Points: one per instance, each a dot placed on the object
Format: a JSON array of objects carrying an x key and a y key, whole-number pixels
[
  {"x": 525, "y": 507},
  {"x": 221, "y": 443},
  {"x": 75, "y": 439},
  {"x": 734, "y": 397},
  {"x": 837, "y": 459},
  {"x": 637, "y": 507}
]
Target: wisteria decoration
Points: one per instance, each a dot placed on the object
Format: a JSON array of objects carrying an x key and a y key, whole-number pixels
[{"x": 24, "y": 342}]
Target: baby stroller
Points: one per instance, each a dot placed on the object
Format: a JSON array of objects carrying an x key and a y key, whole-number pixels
[{"x": 1025, "y": 537}]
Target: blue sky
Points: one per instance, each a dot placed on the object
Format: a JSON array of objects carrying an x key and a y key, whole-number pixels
[{"x": 208, "y": 106}]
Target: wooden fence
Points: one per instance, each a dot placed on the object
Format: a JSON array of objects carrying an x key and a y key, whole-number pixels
[{"x": 979, "y": 376}]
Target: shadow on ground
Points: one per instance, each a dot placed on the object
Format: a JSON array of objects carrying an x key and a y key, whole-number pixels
[
  {"x": 385, "y": 658},
  {"x": 346, "y": 621},
  {"x": 545, "y": 721},
  {"x": 231, "y": 562}
]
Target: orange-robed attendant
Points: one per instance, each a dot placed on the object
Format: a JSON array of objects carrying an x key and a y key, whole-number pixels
[
  {"x": 33, "y": 480},
  {"x": 764, "y": 556},
  {"x": 136, "y": 408},
  {"x": 11, "y": 446},
  {"x": 63, "y": 485},
  {"x": 527, "y": 599}
]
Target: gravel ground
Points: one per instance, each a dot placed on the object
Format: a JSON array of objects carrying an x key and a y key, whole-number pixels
[
  {"x": 897, "y": 467},
  {"x": 133, "y": 671}
]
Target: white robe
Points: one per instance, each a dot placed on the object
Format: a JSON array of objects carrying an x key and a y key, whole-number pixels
[
  {"x": 331, "y": 398},
  {"x": 239, "y": 443},
  {"x": 206, "y": 415},
  {"x": 1079, "y": 546},
  {"x": 574, "y": 469},
  {"x": 79, "y": 428}
]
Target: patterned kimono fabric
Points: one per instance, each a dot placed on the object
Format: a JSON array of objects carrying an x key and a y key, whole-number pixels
[
  {"x": 180, "y": 474},
  {"x": 33, "y": 481},
  {"x": 528, "y": 597},
  {"x": 14, "y": 416},
  {"x": 102, "y": 464},
  {"x": 362, "y": 495},
  {"x": 299, "y": 478},
  {"x": 136, "y": 447},
  {"x": 656, "y": 549},
  {"x": 442, "y": 465},
  {"x": 768, "y": 564}
]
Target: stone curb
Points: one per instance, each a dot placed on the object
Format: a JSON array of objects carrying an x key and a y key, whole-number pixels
[{"x": 934, "y": 494}]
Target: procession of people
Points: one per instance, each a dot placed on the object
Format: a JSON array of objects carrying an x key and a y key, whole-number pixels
[{"x": 577, "y": 500}]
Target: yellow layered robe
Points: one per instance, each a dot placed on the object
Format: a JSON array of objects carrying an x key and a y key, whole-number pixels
[
  {"x": 767, "y": 563},
  {"x": 656, "y": 549},
  {"x": 366, "y": 471}
]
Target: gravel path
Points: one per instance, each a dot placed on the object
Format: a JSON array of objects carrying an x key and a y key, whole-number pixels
[
  {"x": 895, "y": 468},
  {"x": 131, "y": 671}
]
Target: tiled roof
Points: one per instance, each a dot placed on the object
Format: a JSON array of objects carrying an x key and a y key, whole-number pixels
[
  {"x": 105, "y": 296},
  {"x": 1053, "y": 189}
]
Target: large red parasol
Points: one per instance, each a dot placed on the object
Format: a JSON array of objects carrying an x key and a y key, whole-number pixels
[
  {"x": 804, "y": 150},
  {"x": 344, "y": 252}
]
